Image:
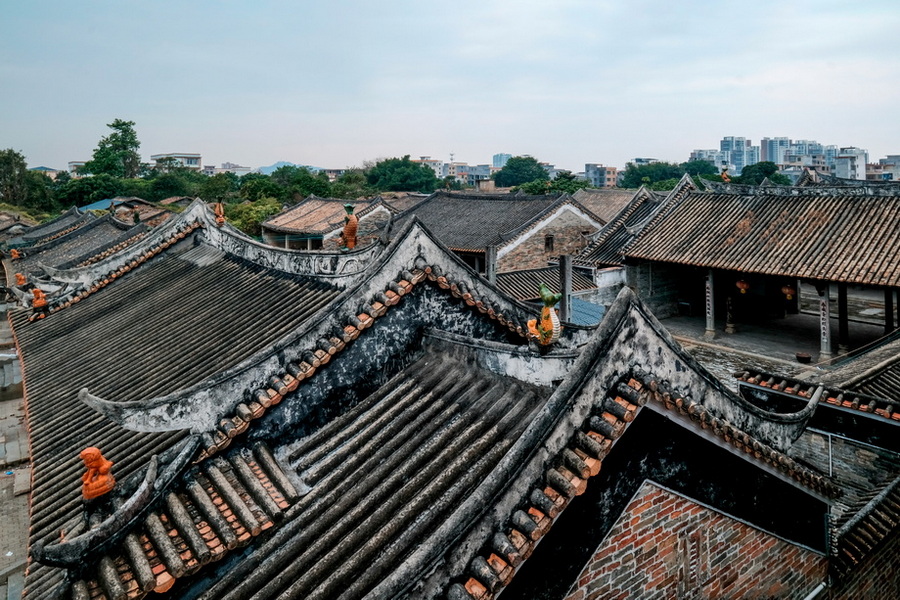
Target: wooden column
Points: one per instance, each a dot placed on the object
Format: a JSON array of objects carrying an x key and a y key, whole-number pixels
[
  {"x": 710, "y": 307},
  {"x": 843, "y": 320},
  {"x": 565, "y": 286},
  {"x": 824, "y": 321},
  {"x": 888, "y": 310}
]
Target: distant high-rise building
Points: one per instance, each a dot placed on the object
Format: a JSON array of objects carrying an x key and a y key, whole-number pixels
[
  {"x": 850, "y": 163},
  {"x": 435, "y": 164},
  {"x": 743, "y": 153},
  {"x": 600, "y": 176},
  {"x": 500, "y": 160},
  {"x": 774, "y": 149},
  {"x": 644, "y": 161},
  {"x": 716, "y": 157},
  {"x": 186, "y": 160},
  {"x": 831, "y": 152}
]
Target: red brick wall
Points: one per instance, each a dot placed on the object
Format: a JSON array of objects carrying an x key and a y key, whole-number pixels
[
  {"x": 567, "y": 230},
  {"x": 876, "y": 577},
  {"x": 666, "y": 546}
]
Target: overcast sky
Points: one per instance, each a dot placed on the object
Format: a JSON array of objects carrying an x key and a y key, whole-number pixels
[{"x": 334, "y": 84}]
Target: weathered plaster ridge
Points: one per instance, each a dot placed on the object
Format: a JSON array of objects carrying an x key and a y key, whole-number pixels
[{"x": 201, "y": 406}]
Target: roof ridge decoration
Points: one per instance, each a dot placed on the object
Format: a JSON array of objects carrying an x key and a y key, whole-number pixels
[
  {"x": 99, "y": 538},
  {"x": 833, "y": 395},
  {"x": 582, "y": 458},
  {"x": 27, "y": 239},
  {"x": 47, "y": 241},
  {"x": 90, "y": 222},
  {"x": 819, "y": 189},
  {"x": 236, "y": 498},
  {"x": 222, "y": 407},
  {"x": 69, "y": 286},
  {"x": 564, "y": 445},
  {"x": 642, "y": 196},
  {"x": 867, "y": 529}
]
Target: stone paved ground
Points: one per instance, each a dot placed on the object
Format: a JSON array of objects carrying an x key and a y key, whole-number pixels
[
  {"x": 15, "y": 474},
  {"x": 770, "y": 347},
  {"x": 14, "y": 486}
]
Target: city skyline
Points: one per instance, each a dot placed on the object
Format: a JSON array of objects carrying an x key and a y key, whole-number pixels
[{"x": 335, "y": 86}]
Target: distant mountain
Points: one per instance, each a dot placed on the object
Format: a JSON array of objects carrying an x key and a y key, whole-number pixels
[{"x": 281, "y": 163}]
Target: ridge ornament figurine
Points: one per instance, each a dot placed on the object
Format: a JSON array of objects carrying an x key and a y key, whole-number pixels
[
  {"x": 219, "y": 210},
  {"x": 546, "y": 330},
  {"x": 351, "y": 225},
  {"x": 98, "y": 479}
]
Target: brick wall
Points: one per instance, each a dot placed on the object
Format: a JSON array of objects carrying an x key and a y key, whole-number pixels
[
  {"x": 666, "y": 546},
  {"x": 568, "y": 231}
]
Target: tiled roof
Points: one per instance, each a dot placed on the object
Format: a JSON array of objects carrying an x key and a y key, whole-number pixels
[
  {"x": 471, "y": 222},
  {"x": 179, "y": 319},
  {"x": 383, "y": 477},
  {"x": 524, "y": 284},
  {"x": 586, "y": 313},
  {"x": 177, "y": 200},
  {"x": 317, "y": 216},
  {"x": 867, "y": 529},
  {"x": 606, "y": 203},
  {"x": 606, "y": 249},
  {"x": 845, "y": 238},
  {"x": 583, "y": 458},
  {"x": 851, "y": 398},
  {"x": 69, "y": 221},
  {"x": 883, "y": 383},
  {"x": 213, "y": 510},
  {"x": 401, "y": 201},
  {"x": 77, "y": 245},
  {"x": 813, "y": 178}
]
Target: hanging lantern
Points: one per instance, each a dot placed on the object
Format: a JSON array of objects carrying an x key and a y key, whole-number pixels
[
  {"x": 743, "y": 286},
  {"x": 789, "y": 291}
]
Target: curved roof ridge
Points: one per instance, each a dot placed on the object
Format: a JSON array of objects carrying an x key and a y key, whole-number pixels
[{"x": 414, "y": 254}]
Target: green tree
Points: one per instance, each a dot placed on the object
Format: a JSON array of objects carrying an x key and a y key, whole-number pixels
[
  {"x": 351, "y": 185},
  {"x": 299, "y": 181},
  {"x": 255, "y": 186},
  {"x": 39, "y": 193},
  {"x": 754, "y": 174},
  {"x": 168, "y": 185},
  {"x": 519, "y": 170},
  {"x": 220, "y": 187},
  {"x": 248, "y": 216},
  {"x": 86, "y": 190},
  {"x": 565, "y": 182},
  {"x": 699, "y": 167},
  {"x": 13, "y": 174},
  {"x": 139, "y": 188},
  {"x": 402, "y": 175},
  {"x": 117, "y": 153},
  {"x": 636, "y": 176}
]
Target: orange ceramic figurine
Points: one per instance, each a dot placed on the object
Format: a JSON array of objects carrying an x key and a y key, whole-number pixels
[
  {"x": 220, "y": 214},
  {"x": 20, "y": 279},
  {"x": 98, "y": 479},
  {"x": 351, "y": 225},
  {"x": 15, "y": 254},
  {"x": 546, "y": 330},
  {"x": 39, "y": 304},
  {"x": 40, "y": 299}
]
